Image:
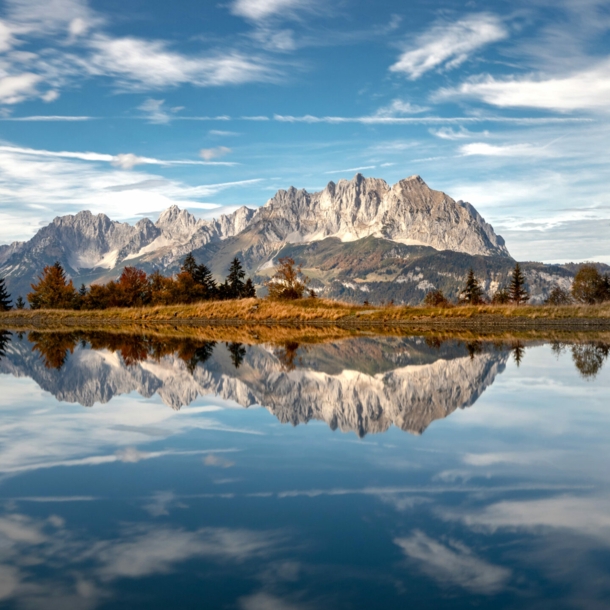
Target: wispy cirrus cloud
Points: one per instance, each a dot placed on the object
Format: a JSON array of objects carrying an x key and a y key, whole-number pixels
[
  {"x": 122, "y": 160},
  {"x": 86, "y": 51},
  {"x": 449, "y": 45},
  {"x": 454, "y": 564},
  {"x": 588, "y": 89},
  {"x": 425, "y": 120},
  {"x": 152, "y": 64}
]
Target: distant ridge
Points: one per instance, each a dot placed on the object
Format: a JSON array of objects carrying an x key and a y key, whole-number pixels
[{"x": 374, "y": 232}]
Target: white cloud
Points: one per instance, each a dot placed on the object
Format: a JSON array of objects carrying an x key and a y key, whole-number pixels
[
  {"x": 6, "y": 37},
  {"x": 265, "y": 601},
  {"x": 589, "y": 516},
  {"x": 398, "y": 107},
  {"x": 144, "y": 64},
  {"x": 17, "y": 88},
  {"x": 122, "y": 160},
  {"x": 449, "y": 45},
  {"x": 585, "y": 90},
  {"x": 50, "y": 117},
  {"x": 454, "y": 564},
  {"x": 35, "y": 188},
  {"x": 154, "y": 111},
  {"x": 510, "y": 150},
  {"x": 423, "y": 120},
  {"x": 212, "y": 153},
  {"x": 351, "y": 169},
  {"x": 447, "y": 133},
  {"x": 262, "y": 9}
]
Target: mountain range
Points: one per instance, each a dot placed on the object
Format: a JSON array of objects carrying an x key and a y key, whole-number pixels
[
  {"x": 357, "y": 240},
  {"x": 361, "y": 385}
]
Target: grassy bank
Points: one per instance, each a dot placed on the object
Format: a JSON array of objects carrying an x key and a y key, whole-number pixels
[{"x": 310, "y": 311}]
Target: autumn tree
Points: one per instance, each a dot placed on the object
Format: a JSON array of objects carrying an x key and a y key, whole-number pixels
[
  {"x": 517, "y": 289},
  {"x": 590, "y": 286},
  {"x": 288, "y": 282},
  {"x": 472, "y": 293},
  {"x": 5, "y": 297},
  {"x": 436, "y": 298},
  {"x": 53, "y": 290},
  {"x": 133, "y": 288},
  {"x": 558, "y": 296}
]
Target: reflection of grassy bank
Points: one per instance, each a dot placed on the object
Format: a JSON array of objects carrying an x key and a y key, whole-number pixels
[
  {"x": 316, "y": 312},
  {"x": 253, "y": 334}
]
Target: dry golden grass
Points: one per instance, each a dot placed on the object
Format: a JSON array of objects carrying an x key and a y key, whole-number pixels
[{"x": 305, "y": 311}]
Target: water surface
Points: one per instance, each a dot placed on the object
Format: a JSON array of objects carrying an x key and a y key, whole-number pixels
[{"x": 139, "y": 472}]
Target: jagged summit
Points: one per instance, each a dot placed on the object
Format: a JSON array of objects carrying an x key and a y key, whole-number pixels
[{"x": 408, "y": 213}]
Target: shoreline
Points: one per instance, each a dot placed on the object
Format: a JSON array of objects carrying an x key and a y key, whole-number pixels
[{"x": 318, "y": 312}]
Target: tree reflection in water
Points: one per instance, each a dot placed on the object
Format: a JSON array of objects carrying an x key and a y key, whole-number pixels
[
  {"x": 5, "y": 339},
  {"x": 590, "y": 357},
  {"x": 56, "y": 347}
]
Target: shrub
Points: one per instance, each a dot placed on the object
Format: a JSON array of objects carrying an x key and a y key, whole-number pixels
[{"x": 436, "y": 298}]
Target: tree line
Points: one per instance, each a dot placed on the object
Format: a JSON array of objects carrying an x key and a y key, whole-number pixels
[
  {"x": 134, "y": 288},
  {"x": 589, "y": 287}
]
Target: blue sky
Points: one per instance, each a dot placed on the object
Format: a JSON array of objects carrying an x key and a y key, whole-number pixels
[{"x": 128, "y": 107}]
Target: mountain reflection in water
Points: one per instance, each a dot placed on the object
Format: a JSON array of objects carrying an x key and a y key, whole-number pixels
[
  {"x": 132, "y": 504},
  {"x": 363, "y": 385}
]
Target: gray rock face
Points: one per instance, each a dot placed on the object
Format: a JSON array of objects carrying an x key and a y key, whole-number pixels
[
  {"x": 414, "y": 386},
  {"x": 408, "y": 212}
]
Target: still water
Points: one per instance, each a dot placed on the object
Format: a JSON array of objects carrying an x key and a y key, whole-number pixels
[{"x": 371, "y": 472}]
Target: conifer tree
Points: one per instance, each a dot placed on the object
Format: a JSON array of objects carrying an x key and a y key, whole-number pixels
[
  {"x": 249, "y": 290},
  {"x": 517, "y": 290},
  {"x": 235, "y": 280},
  {"x": 472, "y": 293},
  {"x": 189, "y": 264},
  {"x": 82, "y": 291},
  {"x": 203, "y": 276},
  {"x": 5, "y": 297},
  {"x": 20, "y": 303},
  {"x": 53, "y": 290}
]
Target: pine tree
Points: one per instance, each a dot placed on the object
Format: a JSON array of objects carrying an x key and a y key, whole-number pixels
[
  {"x": 249, "y": 290},
  {"x": 235, "y": 280},
  {"x": 203, "y": 276},
  {"x": 517, "y": 290},
  {"x": 189, "y": 264},
  {"x": 82, "y": 291},
  {"x": 472, "y": 293},
  {"x": 5, "y": 297},
  {"x": 53, "y": 290},
  {"x": 20, "y": 303}
]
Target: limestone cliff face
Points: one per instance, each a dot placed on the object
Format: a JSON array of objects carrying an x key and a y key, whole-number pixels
[
  {"x": 408, "y": 212},
  {"x": 94, "y": 247},
  {"x": 410, "y": 394}
]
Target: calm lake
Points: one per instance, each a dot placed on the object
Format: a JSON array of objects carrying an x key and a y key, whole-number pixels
[{"x": 371, "y": 472}]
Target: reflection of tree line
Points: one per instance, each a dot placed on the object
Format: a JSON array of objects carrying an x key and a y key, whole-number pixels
[{"x": 55, "y": 349}]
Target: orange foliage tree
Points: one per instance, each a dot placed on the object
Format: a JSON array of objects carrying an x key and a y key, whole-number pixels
[{"x": 53, "y": 290}]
